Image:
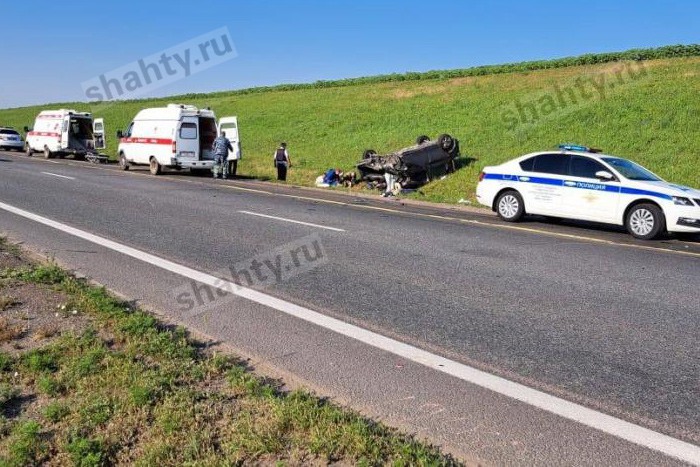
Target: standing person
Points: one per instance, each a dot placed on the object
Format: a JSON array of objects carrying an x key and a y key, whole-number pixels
[
  {"x": 221, "y": 147},
  {"x": 282, "y": 161}
]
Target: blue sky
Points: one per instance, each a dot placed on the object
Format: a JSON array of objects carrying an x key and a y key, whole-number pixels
[{"x": 58, "y": 45}]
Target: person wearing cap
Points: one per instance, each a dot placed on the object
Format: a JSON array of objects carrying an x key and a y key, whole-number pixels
[{"x": 282, "y": 161}]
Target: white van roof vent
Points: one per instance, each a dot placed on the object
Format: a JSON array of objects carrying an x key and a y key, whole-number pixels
[{"x": 182, "y": 106}]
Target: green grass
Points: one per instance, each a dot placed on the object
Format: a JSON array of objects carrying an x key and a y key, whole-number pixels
[
  {"x": 129, "y": 390},
  {"x": 650, "y": 117}
]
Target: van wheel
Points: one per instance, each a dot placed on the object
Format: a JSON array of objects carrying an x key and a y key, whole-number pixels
[
  {"x": 28, "y": 151},
  {"x": 123, "y": 163},
  {"x": 645, "y": 221},
  {"x": 155, "y": 166},
  {"x": 47, "y": 153}
]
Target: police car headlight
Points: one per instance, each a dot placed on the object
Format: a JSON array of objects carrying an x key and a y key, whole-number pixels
[{"x": 681, "y": 201}]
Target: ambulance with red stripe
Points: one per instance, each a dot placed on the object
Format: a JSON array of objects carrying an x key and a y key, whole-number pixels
[
  {"x": 65, "y": 132},
  {"x": 177, "y": 136}
]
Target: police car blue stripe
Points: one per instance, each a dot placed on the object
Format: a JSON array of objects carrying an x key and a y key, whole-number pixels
[
  {"x": 635, "y": 191},
  {"x": 573, "y": 184}
]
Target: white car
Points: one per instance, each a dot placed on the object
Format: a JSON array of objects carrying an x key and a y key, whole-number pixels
[{"x": 581, "y": 183}]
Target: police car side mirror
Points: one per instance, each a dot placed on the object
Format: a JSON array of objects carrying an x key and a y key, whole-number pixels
[
  {"x": 120, "y": 134},
  {"x": 605, "y": 176}
]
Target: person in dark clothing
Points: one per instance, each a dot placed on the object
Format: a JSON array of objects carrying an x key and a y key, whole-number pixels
[
  {"x": 282, "y": 161},
  {"x": 221, "y": 147}
]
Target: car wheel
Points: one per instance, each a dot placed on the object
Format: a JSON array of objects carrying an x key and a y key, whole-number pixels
[
  {"x": 47, "y": 153},
  {"x": 369, "y": 153},
  {"x": 422, "y": 139},
  {"x": 446, "y": 142},
  {"x": 645, "y": 221},
  {"x": 155, "y": 166},
  {"x": 510, "y": 206},
  {"x": 123, "y": 163},
  {"x": 28, "y": 151}
]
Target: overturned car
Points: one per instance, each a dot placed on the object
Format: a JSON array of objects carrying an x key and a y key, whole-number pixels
[{"x": 413, "y": 166}]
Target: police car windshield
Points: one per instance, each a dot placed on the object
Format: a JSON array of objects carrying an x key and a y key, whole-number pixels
[{"x": 630, "y": 170}]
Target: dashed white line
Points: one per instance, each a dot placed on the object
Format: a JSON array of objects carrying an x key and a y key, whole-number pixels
[
  {"x": 335, "y": 229},
  {"x": 58, "y": 175},
  {"x": 606, "y": 423}
]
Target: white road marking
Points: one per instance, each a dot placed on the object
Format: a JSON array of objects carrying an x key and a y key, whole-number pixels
[
  {"x": 608, "y": 424},
  {"x": 57, "y": 175},
  {"x": 335, "y": 229},
  {"x": 549, "y": 233}
]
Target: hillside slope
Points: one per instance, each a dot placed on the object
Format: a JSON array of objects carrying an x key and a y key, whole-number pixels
[{"x": 645, "y": 110}]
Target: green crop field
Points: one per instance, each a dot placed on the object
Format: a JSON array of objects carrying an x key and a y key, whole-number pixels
[{"x": 640, "y": 104}]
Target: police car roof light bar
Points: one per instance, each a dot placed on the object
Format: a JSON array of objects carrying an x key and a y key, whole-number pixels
[{"x": 576, "y": 147}]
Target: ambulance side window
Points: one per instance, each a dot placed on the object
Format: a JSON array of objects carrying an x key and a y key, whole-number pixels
[
  {"x": 188, "y": 131},
  {"x": 129, "y": 129}
]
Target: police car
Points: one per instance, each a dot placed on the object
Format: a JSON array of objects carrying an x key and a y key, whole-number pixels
[{"x": 578, "y": 182}]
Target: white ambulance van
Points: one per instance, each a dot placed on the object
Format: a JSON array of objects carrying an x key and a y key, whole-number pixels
[
  {"x": 177, "y": 136},
  {"x": 63, "y": 132}
]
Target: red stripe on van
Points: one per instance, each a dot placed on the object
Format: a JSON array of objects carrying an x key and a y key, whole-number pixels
[
  {"x": 43, "y": 133},
  {"x": 146, "y": 140},
  {"x": 50, "y": 116}
]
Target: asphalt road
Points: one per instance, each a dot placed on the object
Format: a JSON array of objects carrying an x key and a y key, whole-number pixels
[{"x": 583, "y": 313}]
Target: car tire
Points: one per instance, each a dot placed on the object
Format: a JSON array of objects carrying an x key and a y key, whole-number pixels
[
  {"x": 510, "y": 206},
  {"x": 645, "y": 221},
  {"x": 369, "y": 153},
  {"x": 155, "y": 167},
  {"x": 47, "y": 153},
  {"x": 123, "y": 163},
  {"x": 422, "y": 139},
  {"x": 28, "y": 151},
  {"x": 446, "y": 142}
]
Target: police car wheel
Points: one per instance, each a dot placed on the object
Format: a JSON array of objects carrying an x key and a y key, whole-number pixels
[
  {"x": 123, "y": 163},
  {"x": 155, "y": 166},
  {"x": 645, "y": 221},
  {"x": 510, "y": 206}
]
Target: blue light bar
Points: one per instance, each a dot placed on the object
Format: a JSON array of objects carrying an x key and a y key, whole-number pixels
[{"x": 576, "y": 147}]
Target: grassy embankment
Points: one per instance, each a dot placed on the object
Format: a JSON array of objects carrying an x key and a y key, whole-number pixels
[
  {"x": 87, "y": 380},
  {"x": 647, "y": 109}
]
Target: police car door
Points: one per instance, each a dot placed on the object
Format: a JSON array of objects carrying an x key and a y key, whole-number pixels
[
  {"x": 229, "y": 125},
  {"x": 541, "y": 184},
  {"x": 588, "y": 197}
]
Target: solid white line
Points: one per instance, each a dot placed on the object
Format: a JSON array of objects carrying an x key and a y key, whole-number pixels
[
  {"x": 292, "y": 221},
  {"x": 57, "y": 175},
  {"x": 613, "y": 426}
]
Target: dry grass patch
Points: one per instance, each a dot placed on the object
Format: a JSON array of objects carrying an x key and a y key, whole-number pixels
[
  {"x": 7, "y": 302},
  {"x": 9, "y": 331}
]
